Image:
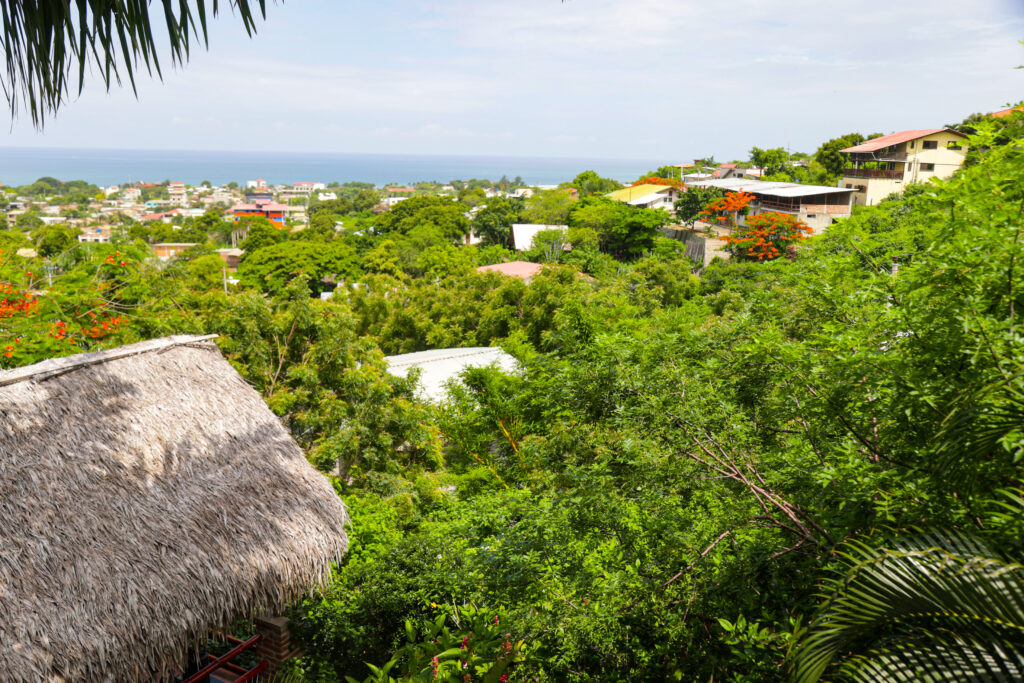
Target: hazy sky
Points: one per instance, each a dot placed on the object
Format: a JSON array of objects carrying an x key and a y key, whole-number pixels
[{"x": 662, "y": 79}]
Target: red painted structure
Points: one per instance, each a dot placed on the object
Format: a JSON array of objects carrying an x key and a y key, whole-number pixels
[{"x": 272, "y": 212}]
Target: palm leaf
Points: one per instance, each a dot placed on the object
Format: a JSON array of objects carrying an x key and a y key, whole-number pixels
[
  {"x": 44, "y": 41},
  {"x": 933, "y": 606}
]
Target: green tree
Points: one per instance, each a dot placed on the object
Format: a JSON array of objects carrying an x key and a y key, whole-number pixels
[
  {"x": 692, "y": 202},
  {"x": 443, "y": 213},
  {"x": 273, "y": 267},
  {"x": 493, "y": 222},
  {"x": 54, "y": 239},
  {"x": 471, "y": 197},
  {"x": 365, "y": 199},
  {"x": 589, "y": 183},
  {"x": 547, "y": 207},
  {"x": 831, "y": 159},
  {"x": 772, "y": 161},
  {"x": 625, "y": 231},
  {"x": 28, "y": 220},
  {"x": 261, "y": 233}
]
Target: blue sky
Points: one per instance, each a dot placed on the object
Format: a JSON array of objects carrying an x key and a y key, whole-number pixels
[{"x": 665, "y": 79}]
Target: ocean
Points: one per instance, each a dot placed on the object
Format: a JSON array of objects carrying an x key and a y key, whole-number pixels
[{"x": 23, "y": 165}]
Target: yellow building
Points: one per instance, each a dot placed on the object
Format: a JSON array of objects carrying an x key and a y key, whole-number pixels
[
  {"x": 647, "y": 196},
  {"x": 888, "y": 164}
]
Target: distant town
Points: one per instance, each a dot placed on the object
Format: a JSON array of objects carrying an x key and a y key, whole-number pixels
[{"x": 858, "y": 171}]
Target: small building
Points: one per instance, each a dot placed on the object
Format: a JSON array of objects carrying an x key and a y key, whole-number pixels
[
  {"x": 523, "y": 233},
  {"x": 438, "y": 367},
  {"x": 149, "y": 497},
  {"x": 273, "y": 212},
  {"x": 816, "y": 205},
  {"x": 886, "y": 165},
  {"x": 177, "y": 194},
  {"x": 98, "y": 234},
  {"x": 231, "y": 257},
  {"x": 647, "y": 196},
  {"x": 168, "y": 250}
]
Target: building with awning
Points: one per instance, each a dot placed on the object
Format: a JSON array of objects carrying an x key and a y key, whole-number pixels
[{"x": 816, "y": 205}]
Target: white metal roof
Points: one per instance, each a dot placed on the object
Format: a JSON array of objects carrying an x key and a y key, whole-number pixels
[
  {"x": 438, "y": 366},
  {"x": 774, "y": 188},
  {"x": 647, "y": 199}
]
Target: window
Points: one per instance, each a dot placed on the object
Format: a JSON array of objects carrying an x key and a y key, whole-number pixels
[
  {"x": 862, "y": 188},
  {"x": 912, "y": 143},
  {"x": 954, "y": 145},
  {"x": 848, "y": 186},
  {"x": 931, "y": 144},
  {"x": 927, "y": 167}
]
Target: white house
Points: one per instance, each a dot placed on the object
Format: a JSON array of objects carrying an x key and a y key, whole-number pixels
[{"x": 523, "y": 233}]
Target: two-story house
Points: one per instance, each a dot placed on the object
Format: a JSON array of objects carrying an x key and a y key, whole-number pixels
[
  {"x": 648, "y": 196},
  {"x": 885, "y": 165}
]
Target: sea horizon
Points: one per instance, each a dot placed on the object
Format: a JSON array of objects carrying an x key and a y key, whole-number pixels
[{"x": 101, "y": 166}]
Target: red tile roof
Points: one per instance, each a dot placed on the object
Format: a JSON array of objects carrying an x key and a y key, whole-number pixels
[
  {"x": 728, "y": 166},
  {"x": 1006, "y": 112},
  {"x": 520, "y": 269},
  {"x": 895, "y": 139}
]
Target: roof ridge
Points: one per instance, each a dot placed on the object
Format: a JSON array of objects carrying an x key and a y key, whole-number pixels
[
  {"x": 470, "y": 351},
  {"x": 51, "y": 367}
]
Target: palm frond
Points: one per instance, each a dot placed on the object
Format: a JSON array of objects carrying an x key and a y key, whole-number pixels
[
  {"x": 45, "y": 41},
  {"x": 934, "y": 606}
]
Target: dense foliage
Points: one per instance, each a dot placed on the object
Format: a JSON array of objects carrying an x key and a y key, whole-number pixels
[{"x": 681, "y": 464}]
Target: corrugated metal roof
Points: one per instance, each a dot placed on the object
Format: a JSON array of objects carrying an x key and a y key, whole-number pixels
[
  {"x": 629, "y": 193},
  {"x": 439, "y": 366},
  {"x": 773, "y": 188},
  {"x": 646, "y": 199},
  {"x": 895, "y": 139}
]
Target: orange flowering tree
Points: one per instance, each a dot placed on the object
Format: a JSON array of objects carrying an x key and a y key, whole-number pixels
[
  {"x": 767, "y": 235},
  {"x": 52, "y": 309},
  {"x": 658, "y": 180},
  {"x": 725, "y": 210}
]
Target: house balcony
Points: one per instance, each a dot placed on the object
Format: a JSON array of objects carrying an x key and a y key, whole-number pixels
[
  {"x": 873, "y": 173},
  {"x": 880, "y": 155}
]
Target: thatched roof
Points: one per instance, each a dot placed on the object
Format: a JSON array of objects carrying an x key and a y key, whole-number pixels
[{"x": 147, "y": 494}]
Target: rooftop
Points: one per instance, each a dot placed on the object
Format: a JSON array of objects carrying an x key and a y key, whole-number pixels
[
  {"x": 521, "y": 269},
  {"x": 629, "y": 193},
  {"x": 772, "y": 188},
  {"x": 439, "y": 366},
  {"x": 876, "y": 144},
  {"x": 149, "y": 495}
]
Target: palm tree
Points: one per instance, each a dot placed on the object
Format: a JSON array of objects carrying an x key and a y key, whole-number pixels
[
  {"x": 931, "y": 607},
  {"x": 45, "y": 41}
]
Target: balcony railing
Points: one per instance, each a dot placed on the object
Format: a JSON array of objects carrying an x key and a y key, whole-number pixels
[
  {"x": 872, "y": 173},
  {"x": 831, "y": 209},
  {"x": 796, "y": 208}
]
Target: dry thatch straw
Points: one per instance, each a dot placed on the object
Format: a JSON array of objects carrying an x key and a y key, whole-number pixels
[{"x": 147, "y": 494}]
